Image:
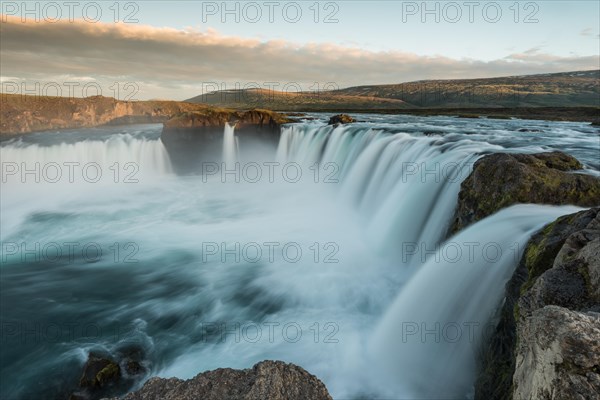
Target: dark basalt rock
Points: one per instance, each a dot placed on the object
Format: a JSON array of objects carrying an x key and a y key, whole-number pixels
[
  {"x": 434, "y": 133},
  {"x": 530, "y": 130},
  {"x": 273, "y": 380},
  {"x": 341, "y": 119},
  {"x": 501, "y": 180}
]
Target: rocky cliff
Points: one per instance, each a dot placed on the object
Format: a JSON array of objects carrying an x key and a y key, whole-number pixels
[{"x": 23, "y": 114}]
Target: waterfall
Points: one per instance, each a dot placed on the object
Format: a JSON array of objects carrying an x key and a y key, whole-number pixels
[
  {"x": 120, "y": 156},
  {"x": 404, "y": 186},
  {"x": 429, "y": 337},
  {"x": 230, "y": 146}
]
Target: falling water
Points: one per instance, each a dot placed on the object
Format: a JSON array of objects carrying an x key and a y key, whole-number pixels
[
  {"x": 405, "y": 187},
  {"x": 230, "y": 146},
  {"x": 430, "y": 336},
  {"x": 140, "y": 156}
]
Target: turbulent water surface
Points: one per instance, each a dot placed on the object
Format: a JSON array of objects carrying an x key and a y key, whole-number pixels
[{"x": 330, "y": 253}]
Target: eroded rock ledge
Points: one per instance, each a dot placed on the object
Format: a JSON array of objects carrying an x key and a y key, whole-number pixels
[{"x": 273, "y": 380}]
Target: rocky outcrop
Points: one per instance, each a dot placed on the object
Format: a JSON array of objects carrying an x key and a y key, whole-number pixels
[
  {"x": 546, "y": 342},
  {"x": 273, "y": 380},
  {"x": 217, "y": 117},
  {"x": 341, "y": 119},
  {"x": 500, "y": 180}
]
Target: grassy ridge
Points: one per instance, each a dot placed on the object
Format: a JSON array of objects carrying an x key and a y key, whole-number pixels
[{"x": 566, "y": 89}]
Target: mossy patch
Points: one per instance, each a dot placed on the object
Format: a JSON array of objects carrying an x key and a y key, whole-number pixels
[
  {"x": 501, "y": 180},
  {"x": 108, "y": 374}
]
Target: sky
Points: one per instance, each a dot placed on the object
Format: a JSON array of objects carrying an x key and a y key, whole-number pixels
[{"x": 178, "y": 49}]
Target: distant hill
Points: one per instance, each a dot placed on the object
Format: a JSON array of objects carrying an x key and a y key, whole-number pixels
[
  {"x": 568, "y": 96},
  {"x": 296, "y": 101},
  {"x": 565, "y": 89}
]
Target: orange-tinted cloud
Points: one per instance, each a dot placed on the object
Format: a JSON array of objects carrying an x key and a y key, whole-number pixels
[{"x": 167, "y": 62}]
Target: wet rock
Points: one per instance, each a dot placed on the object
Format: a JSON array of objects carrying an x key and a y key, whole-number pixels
[
  {"x": 99, "y": 372},
  {"x": 530, "y": 130},
  {"x": 132, "y": 358},
  {"x": 501, "y": 180},
  {"x": 273, "y": 380},
  {"x": 433, "y": 133},
  {"x": 341, "y": 119},
  {"x": 107, "y": 374}
]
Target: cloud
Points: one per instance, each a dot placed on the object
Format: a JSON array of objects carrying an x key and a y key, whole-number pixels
[
  {"x": 589, "y": 32},
  {"x": 586, "y": 32},
  {"x": 167, "y": 62}
]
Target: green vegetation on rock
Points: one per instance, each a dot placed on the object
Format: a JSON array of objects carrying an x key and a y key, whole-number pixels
[{"x": 501, "y": 180}]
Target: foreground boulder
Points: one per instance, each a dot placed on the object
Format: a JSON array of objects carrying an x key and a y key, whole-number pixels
[
  {"x": 546, "y": 344},
  {"x": 500, "y": 180},
  {"x": 341, "y": 119},
  {"x": 273, "y": 380}
]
